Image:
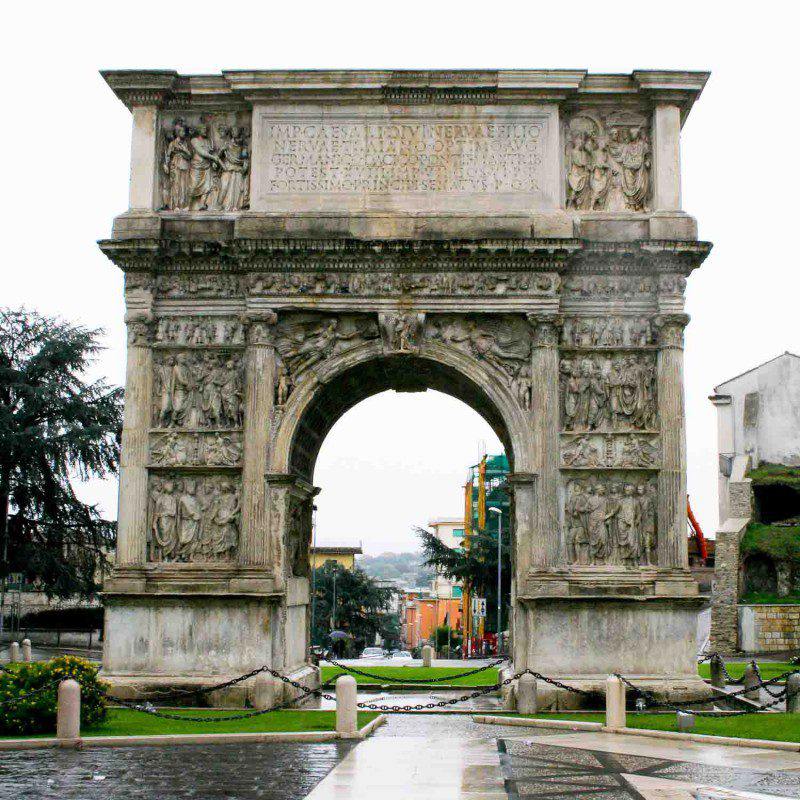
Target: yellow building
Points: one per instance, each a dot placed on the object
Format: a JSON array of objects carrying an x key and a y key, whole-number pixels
[{"x": 345, "y": 556}]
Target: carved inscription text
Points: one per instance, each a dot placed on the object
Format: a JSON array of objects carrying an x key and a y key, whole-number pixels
[{"x": 385, "y": 157}]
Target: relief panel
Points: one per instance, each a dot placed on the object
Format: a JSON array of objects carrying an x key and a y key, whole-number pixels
[
  {"x": 193, "y": 519},
  {"x": 611, "y": 519},
  {"x": 197, "y": 389},
  {"x": 204, "y": 162},
  {"x": 617, "y": 451},
  {"x": 614, "y": 392},
  {"x": 178, "y": 449},
  {"x": 608, "y": 161}
]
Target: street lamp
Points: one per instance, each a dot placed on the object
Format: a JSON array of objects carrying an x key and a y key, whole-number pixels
[{"x": 499, "y": 512}]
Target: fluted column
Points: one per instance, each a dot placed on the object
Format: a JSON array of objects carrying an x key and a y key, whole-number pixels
[
  {"x": 672, "y": 550},
  {"x": 259, "y": 395},
  {"x": 545, "y": 544},
  {"x": 132, "y": 514}
]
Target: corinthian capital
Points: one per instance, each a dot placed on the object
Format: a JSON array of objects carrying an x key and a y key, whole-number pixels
[
  {"x": 261, "y": 326},
  {"x": 140, "y": 328},
  {"x": 546, "y": 329},
  {"x": 670, "y": 329}
]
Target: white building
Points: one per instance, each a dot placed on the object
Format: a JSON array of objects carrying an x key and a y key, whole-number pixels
[
  {"x": 758, "y": 420},
  {"x": 450, "y": 532}
]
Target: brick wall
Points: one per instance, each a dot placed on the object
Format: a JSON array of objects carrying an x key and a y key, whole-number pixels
[{"x": 769, "y": 628}]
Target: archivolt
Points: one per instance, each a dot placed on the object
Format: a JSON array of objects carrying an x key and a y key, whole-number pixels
[{"x": 343, "y": 382}]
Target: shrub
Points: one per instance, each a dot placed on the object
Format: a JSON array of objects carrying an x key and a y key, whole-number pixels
[{"x": 37, "y": 713}]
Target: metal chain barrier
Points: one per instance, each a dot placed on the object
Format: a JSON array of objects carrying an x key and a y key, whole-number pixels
[
  {"x": 384, "y": 679},
  {"x": 682, "y": 705},
  {"x": 48, "y": 686},
  {"x": 761, "y": 681},
  {"x": 148, "y": 708}
]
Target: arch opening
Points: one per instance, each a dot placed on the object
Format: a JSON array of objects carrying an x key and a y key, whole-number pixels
[{"x": 401, "y": 373}]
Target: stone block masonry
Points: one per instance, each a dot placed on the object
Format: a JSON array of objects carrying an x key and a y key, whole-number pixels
[{"x": 769, "y": 628}]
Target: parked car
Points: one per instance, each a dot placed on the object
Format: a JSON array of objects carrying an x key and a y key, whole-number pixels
[
  {"x": 400, "y": 654},
  {"x": 372, "y": 652}
]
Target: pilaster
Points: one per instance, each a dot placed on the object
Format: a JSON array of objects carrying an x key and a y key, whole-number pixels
[
  {"x": 259, "y": 395},
  {"x": 544, "y": 418},
  {"x": 132, "y": 515},
  {"x": 667, "y": 155},
  {"x": 672, "y": 550}
]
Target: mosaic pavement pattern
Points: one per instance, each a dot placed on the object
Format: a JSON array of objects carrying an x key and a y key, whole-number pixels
[{"x": 547, "y": 772}]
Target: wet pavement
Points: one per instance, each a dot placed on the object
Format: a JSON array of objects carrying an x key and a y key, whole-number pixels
[{"x": 269, "y": 771}]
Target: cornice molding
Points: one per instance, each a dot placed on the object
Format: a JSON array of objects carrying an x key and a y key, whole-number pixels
[{"x": 561, "y": 255}]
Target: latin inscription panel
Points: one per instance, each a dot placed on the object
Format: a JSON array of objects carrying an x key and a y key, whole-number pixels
[{"x": 404, "y": 163}]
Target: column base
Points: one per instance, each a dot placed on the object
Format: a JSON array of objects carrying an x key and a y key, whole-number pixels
[{"x": 249, "y": 693}]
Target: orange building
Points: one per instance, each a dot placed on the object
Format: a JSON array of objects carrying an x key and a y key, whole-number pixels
[{"x": 424, "y": 614}]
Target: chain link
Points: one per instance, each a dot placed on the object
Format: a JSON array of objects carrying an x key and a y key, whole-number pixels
[{"x": 384, "y": 679}]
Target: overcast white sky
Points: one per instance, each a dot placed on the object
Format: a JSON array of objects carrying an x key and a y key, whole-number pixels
[{"x": 397, "y": 460}]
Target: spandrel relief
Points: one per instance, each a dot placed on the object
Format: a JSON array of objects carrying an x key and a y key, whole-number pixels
[
  {"x": 305, "y": 340},
  {"x": 193, "y": 519},
  {"x": 213, "y": 449},
  {"x": 197, "y": 389},
  {"x": 607, "y": 331},
  {"x": 608, "y": 161},
  {"x": 401, "y": 332},
  {"x": 608, "y": 392},
  {"x": 200, "y": 331},
  {"x": 205, "y": 163},
  {"x": 620, "y": 451},
  {"x": 611, "y": 520},
  {"x": 504, "y": 342}
]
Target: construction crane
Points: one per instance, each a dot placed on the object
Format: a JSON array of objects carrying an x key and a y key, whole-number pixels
[{"x": 696, "y": 531}]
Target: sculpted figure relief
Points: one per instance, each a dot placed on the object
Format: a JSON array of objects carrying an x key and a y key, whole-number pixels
[
  {"x": 303, "y": 340},
  {"x": 205, "y": 166},
  {"x": 401, "y": 331},
  {"x": 197, "y": 390},
  {"x": 298, "y": 537},
  {"x": 611, "y": 450},
  {"x": 202, "y": 285},
  {"x": 593, "y": 332},
  {"x": 176, "y": 449},
  {"x": 618, "y": 287},
  {"x": 199, "y": 331},
  {"x": 608, "y": 162},
  {"x": 193, "y": 520},
  {"x": 611, "y": 520},
  {"x": 398, "y": 282},
  {"x": 617, "y": 392}
]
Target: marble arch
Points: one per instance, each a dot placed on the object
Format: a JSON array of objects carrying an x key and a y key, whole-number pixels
[{"x": 298, "y": 241}]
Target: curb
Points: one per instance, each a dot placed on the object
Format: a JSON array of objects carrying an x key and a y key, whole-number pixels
[
  {"x": 159, "y": 740},
  {"x": 577, "y": 725}
]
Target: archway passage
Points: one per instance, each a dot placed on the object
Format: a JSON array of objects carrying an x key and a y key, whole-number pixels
[{"x": 402, "y": 373}]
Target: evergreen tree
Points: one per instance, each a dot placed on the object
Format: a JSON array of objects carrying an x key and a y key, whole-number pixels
[
  {"x": 361, "y": 608},
  {"x": 476, "y": 568},
  {"x": 56, "y": 426}
]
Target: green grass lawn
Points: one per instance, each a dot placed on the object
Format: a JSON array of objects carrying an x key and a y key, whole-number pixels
[
  {"x": 399, "y": 674},
  {"x": 780, "y": 727},
  {"x": 125, "y": 722},
  {"x": 769, "y": 669}
]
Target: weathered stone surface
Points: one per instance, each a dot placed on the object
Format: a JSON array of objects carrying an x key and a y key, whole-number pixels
[{"x": 311, "y": 239}]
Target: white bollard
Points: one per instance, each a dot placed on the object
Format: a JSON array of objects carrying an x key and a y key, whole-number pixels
[
  {"x": 13, "y": 652},
  {"x": 793, "y": 694},
  {"x": 26, "y": 650},
  {"x": 684, "y": 721},
  {"x": 263, "y": 692},
  {"x": 68, "y": 716},
  {"x": 615, "y": 703},
  {"x": 346, "y": 709},
  {"x": 526, "y": 694},
  {"x": 427, "y": 656}
]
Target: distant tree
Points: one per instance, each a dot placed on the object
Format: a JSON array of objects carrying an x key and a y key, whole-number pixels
[
  {"x": 56, "y": 426},
  {"x": 475, "y": 568},
  {"x": 444, "y": 635},
  {"x": 361, "y": 607}
]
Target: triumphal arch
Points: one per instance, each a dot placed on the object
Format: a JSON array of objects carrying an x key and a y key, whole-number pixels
[{"x": 298, "y": 241}]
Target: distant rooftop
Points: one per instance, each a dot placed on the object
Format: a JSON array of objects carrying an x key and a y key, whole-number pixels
[
  {"x": 753, "y": 369},
  {"x": 341, "y": 550}
]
